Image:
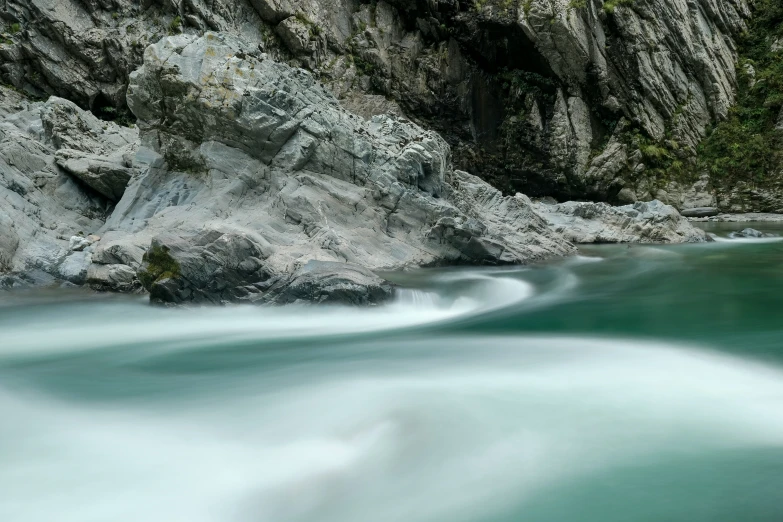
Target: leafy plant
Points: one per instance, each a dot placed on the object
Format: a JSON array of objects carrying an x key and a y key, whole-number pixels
[
  {"x": 747, "y": 145},
  {"x": 175, "y": 25}
]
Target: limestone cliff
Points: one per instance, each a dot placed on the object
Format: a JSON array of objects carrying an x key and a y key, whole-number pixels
[
  {"x": 571, "y": 99},
  {"x": 272, "y": 150}
]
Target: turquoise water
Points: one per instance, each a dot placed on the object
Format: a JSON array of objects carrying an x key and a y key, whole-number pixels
[{"x": 628, "y": 384}]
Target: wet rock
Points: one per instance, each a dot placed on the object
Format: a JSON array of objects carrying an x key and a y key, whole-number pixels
[
  {"x": 750, "y": 233},
  {"x": 332, "y": 283}
]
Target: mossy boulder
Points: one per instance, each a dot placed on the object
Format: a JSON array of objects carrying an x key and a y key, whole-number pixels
[{"x": 158, "y": 266}]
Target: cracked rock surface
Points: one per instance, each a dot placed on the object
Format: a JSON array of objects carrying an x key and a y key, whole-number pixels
[
  {"x": 257, "y": 170},
  {"x": 246, "y": 179}
]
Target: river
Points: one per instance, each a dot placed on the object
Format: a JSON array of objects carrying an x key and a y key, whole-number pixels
[{"x": 628, "y": 384}]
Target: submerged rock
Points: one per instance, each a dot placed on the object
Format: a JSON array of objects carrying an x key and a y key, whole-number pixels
[
  {"x": 700, "y": 212},
  {"x": 750, "y": 233}
]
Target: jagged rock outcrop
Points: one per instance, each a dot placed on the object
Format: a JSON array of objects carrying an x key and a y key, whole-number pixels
[
  {"x": 255, "y": 170},
  {"x": 41, "y": 206},
  {"x": 650, "y": 222},
  {"x": 248, "y": 181},
  {"x": 542, "y": 96}
]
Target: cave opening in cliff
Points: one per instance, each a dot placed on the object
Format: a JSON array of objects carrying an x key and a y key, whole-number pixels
[
  {"x": 106, "y": 109},
  {"x": 507, "y": 57}
]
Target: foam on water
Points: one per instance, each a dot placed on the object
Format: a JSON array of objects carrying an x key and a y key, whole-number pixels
[
  {"x": 745, "y": 240},
  {"x": 90, "y": 325},
  {"x": 456, "y": 437},
  {"x": 116, "y": 411}
]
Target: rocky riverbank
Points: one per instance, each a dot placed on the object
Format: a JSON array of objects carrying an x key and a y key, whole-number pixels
[{"x": 246, "y": 180}]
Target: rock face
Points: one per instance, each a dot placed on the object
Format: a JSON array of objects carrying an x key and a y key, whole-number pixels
[
  {"x": 546, "y": 97},
  {"x": 248, "y": 180},
  {"x": 651, "y": 222},
  {"x": 42, "y": 206},
  {"x": 255, "y": 170}
]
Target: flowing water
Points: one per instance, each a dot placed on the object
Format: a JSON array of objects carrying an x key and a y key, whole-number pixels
[{"x": 627, "y": 384}]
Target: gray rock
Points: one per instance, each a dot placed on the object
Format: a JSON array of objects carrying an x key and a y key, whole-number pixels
[
  {"x": 700, "y": 212},
  {"x": 209, "y": 267},
  {"x": 114, "y": 278},
  {"x": 66, "y": 126},
  {"x": 295, "y": 33},
  {"x": 627, "y": 196},
  {"x": 114, "y": 249},
  {"x": 259, "y": 170},
  {"x": 750, "y": 233},
  {"x": 743, "y": 218},
  {"x": 73, "y": 268},
  {"x": 650, "y": 222},
  {"x": 42, "y": 206},
  {"x": 686, "y": 197},
  {"x": 330, "y": 282},
  {"x": 78, "y": 243},
  {"x": 107, "y": 177},
  {"x": 753, "y": 197}
]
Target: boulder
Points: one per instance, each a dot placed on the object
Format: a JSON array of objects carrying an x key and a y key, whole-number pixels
[
  {"x": 114, "y": 278},
  {"x": 329, "y": 282},
  {"x": 108, "y": 178},
  {"x": 750, "y": 233}
]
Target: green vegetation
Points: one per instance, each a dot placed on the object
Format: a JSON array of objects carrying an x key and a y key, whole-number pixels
[
  {"x": 15, "y": 28},
  {"x": 159, "y": 266},
  {"x": 175, "y": 25},
  {"x": 664, "y": 160},
  {"x": 611, "y": 5},
  {"x": 363, "y": 66},
  {"x": 747, "y": 146}
]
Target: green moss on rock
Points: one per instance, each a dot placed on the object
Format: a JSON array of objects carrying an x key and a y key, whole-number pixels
[{"x": 158, "y": 265}]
